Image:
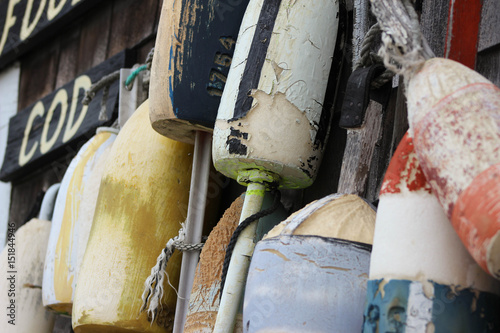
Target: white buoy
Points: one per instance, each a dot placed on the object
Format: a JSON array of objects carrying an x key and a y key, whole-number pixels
[
  {"x": 59, "y": 279},
  {"x": 21, "y": 262},
  {"x": 421, "y": 275},
  {"x": 271, "y": 126}
]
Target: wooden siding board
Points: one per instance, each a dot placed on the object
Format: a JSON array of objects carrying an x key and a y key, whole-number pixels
[
  {"x": 132, "y": 21},
  {"x": 434, "y": 21},
  {"x": 489, "y": 35},
  {"x": 488, "y": 64},
  {"x": 38, "y": 74},
  {"x": 25, "y": 191},
  {"x": 67, "y": 68},
  {"x": 94, "y": 38}
]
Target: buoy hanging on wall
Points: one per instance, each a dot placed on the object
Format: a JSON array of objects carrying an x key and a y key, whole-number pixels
[
  {"x": 271, "y": 125},
  {"x": 59, "y": 279},
  {"x": 141, "y": 205},
  {"x": 21, "y": 262},
  {"x": 453, "y": 116},
  {"x": 421, "y": 275},
  {"x": 193, "y": 53},
  {"x": 48, "y": 202},
  {"x": 271, "y": 115},
  {"x": 88, "y": 204},
  {"x": 205, "y": 296},
  {"x": 309, "y": 273}
]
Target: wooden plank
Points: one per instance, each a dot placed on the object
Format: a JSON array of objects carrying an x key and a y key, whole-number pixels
[
  {"x": 67, "y": 67},
  {"x": 41, "y": 65},
  {"x": 25, "y": 191},
  {"x": 26, "y": 24},
  {"x": 359, "y": 150},
  {"x": 488, "y": 65},
  {"x": 383, "y": 149},
  {"x": 490, "y": 19},
  {"x": 433, "y": 25},
  {"x": 463, "y": 31},
  {"x": 40, "y": 132},
  {"x": 131, "y": 26},
  {"x": 94, "y": 38}
]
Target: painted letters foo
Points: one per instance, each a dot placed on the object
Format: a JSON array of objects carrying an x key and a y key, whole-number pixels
[{"x": 25, "y": 21}]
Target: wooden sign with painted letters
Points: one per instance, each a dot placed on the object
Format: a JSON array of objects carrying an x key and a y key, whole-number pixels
[
  {"x": 25, "y": 23},
  {"x": 40, "y": 132}
]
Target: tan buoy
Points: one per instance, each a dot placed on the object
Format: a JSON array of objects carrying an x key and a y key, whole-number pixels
[
  {"x": 205, "y": 297},
  {"x": 141, "y": 205},
  {"x": 204, "y": 300},
  {"x": 21, "y": 262},
  {"x": 59, "y": 278}
]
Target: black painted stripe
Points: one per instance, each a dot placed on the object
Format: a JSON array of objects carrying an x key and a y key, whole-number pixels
[{"x": 256, "y": 57}]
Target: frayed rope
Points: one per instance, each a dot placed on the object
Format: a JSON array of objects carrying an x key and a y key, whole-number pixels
[{"x": 153, "y": 287}]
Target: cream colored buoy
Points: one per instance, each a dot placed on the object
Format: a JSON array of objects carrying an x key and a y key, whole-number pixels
[
  {"x": 421, "y": 275},
  {"x": 59, "y": 277},
  {"x": 141, "y": 204},
  {"x": 271, "y": 127},
  {"x": 309, "y": 273},
  {"x": 21, "y": 262}
]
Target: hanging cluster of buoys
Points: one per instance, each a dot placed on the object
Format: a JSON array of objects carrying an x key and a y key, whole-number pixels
[{"x": 257, "y": 78}]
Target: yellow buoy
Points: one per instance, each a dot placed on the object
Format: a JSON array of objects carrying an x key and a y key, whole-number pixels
[
  {"x": 142, "y": 201},
  {"x": 59, "y": 278},
  {"x": 21, "y": 263}
]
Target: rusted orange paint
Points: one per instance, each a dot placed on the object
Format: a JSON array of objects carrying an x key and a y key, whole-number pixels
[
  {"x": 461, "y": 131},
  {"x": 404, "y": 170},
  {"x": 476, "y": 216}
]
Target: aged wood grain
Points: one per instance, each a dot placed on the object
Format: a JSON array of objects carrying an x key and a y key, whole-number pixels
[
  {"x": 133, "y": 21},
  {"x": 38, "y": 74},
  {"x": 359, "y": 150},
  {"x": 488, "y": 64},
  {"x": 25, "y": 191},
  {"x": 16, "y": 41},
  {"x": 489, "y": 35},
  {"x": 94, "y": 38},
  {"x": 67, "y": 67},
  {"x": 433, "y": 23},
  {"x": 383, "y": 149}
]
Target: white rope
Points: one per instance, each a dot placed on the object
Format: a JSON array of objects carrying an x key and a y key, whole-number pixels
[
  {"x": 405, "y": 49},
  {"x": 153, "y": 286}
]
